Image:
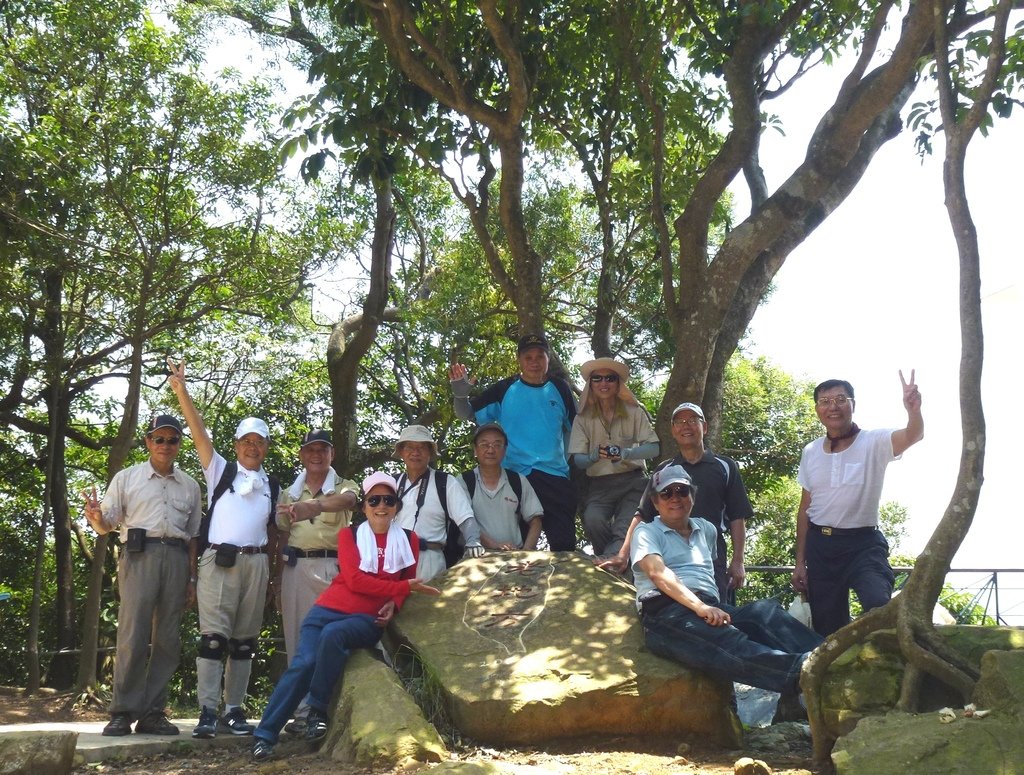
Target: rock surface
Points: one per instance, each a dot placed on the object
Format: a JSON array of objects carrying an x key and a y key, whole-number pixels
[
  {"x": 376, "y": 724},
  {"x": 532, "y": 646},
  {"x": 866, "y": 680},
  {"x": 37, "y": 753},
  {"x": 921, "y": 743}
]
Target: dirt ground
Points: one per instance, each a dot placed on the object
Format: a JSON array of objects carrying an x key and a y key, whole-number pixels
[{"x": 618, "y": 755}]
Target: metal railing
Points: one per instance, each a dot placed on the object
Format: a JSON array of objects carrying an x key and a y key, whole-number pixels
[{"x": 998, "y": 592}]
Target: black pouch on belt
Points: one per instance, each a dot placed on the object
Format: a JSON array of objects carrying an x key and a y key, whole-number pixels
[
  {"x": 227, "y": 555},
  {"x": 290, "y": 557},
  {"x": 136, "y": 539}
]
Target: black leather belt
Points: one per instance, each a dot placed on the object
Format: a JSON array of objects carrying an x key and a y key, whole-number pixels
[
  {"x": 435, "y": 545},
  {"x": 181, "y": 543},
  {"x": 244, "y": 549},
  {"x": 312, "y": 553},
  {"x": 825, "y": 530}
]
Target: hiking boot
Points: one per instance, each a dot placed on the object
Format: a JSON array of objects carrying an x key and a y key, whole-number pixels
[
  {"x": 316, "y": 724},
  {"x": 296, "y": 726},
  {"x": 207, "y": 726},
  {"x": 262, "y": 749},
  {"x": 120, "y": 724},
  {"x": 233, "y": 722},
  {"x": 155, "y": 723}
]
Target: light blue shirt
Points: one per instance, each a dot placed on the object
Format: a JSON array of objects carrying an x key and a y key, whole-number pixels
[
  {"x": 536, "y": 421},
  {"x": 692, "y": 559}
]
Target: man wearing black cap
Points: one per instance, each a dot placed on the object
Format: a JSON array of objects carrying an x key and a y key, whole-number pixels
[
  {"x": 156, "y": 509},
  {"x": 309, "y": 515},
  {"x": 536, "y": 410}
]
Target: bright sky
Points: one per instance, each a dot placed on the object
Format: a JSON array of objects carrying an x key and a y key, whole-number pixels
[{"x": 875, "y": 290}]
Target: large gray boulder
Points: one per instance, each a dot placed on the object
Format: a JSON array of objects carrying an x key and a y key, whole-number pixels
[
  {"x": 376, "y": 724},
  {"x": 525, "y": 647},
  {"x": 37, "y": 753}
]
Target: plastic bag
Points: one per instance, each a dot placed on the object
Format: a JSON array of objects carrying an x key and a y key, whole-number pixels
[{"x": 800, "y": 610}]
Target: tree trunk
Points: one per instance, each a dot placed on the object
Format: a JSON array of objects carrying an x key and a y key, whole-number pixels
[{"x": 346, "y": 348}]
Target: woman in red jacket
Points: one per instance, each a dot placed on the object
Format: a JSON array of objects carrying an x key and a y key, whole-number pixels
[{"x": 377, "y": 568}]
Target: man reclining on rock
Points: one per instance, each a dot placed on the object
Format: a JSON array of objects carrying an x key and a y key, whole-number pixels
[{"x": 673, "y": 564}]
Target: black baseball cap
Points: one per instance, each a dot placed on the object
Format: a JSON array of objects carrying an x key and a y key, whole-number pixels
[
  {"x": 163, "y": 421},
  {"x": 317, "y": 435},
  {"x": 532, "y": 340}
]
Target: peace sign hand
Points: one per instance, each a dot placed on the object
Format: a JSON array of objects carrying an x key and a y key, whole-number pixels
[{"x": 911, "y": 395}]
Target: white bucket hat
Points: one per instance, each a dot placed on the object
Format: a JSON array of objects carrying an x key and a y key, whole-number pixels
[
  {"x": 610, "y": 364},
  {"x": 416, "y": 433}
]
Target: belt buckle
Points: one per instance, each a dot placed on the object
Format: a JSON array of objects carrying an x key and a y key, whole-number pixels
[{"x": 826, "y": 531}]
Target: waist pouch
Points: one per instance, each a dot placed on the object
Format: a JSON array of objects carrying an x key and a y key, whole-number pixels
[{"x": 227, "y": 555}]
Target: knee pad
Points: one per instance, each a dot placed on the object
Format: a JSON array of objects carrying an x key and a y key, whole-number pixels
[
  {"x": 213, "y": 646},
  {"x": 242, "y": 649}
]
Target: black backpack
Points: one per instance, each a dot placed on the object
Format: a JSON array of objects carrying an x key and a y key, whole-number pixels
[
  {"x": 453, "y": 550},
  {"x": 223, "y": 485}
]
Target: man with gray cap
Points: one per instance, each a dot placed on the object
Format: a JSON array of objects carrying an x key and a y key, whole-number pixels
[
  {"x": 156, "y": 508},
  {"x": 722, "y": 498},
  {"x": 672, "y": 558},
  {"x": 309, "y": 515},
  {"x": 506, "y": 507},
  {"x": 429, "y": 499},
  {"x": 238, "y": 541}
]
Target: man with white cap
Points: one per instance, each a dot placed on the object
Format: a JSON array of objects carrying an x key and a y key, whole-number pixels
[
  {"x": 309, "y": 515},
  {"x": 672, "y": 556},
  {"x": 156, "y": 508},
  {"x": 722, "y": 498},
  {"x": 238, "y": 540},
  {"x": 429, "y": 499}
]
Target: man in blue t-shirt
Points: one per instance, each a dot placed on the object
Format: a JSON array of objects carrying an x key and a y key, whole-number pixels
[{"x": 536, "y": 410}]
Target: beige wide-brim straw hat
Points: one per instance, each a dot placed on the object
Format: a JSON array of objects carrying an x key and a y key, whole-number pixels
[
  {"x": 416, "y": 433},
  {"x": 610, "y": 364}
]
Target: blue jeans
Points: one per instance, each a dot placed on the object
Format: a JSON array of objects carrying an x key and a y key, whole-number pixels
[
  {"x": 326, "y": 640},
  {"x": 764, "y": 646}
]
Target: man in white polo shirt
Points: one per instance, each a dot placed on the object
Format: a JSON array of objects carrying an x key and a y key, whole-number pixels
[{"x": 239, "y": 542}]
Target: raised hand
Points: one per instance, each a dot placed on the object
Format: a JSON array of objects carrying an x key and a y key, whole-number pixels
[
  {"x": 177, "y": 371},
  {"x": 911, "y": 395}
]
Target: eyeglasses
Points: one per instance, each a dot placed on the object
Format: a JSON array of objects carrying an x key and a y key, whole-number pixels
[
  {"x": 675, "y": 491},
  {"x": 389, "y": 500},
  {"x": 833, "y": 401},
  {"x": 490, "y": 445},
  {"x": 687, "y": 421},
  {"x": 161, "y": 440},
  {"x": 260, "y": 442},
  {"x": 596, "y": 378}
]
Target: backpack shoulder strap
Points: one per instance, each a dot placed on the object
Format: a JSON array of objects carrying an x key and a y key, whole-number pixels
[
  {"x": 469, "y": 477},
  {"x": 515, "y": 480},
  {"x": 441, "y": 484},
  {"x": 222, "y": 486}
]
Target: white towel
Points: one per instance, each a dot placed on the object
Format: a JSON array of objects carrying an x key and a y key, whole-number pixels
[
  {"x": 397, "y": 554},
  {"x": 247, "y": 481},
  {"x": 330, "y": 482}
]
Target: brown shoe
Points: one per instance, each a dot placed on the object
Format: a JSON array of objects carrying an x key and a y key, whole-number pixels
[
  {"x": 120, "y": 724},
  {"x": 155, "y": 724}
]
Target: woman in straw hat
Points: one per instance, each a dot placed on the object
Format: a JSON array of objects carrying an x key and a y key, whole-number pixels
[{"x": 611, "y": 438}]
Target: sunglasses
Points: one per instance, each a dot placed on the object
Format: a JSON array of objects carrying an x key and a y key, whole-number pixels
[
  {"x": 389, "y": 500},
  {"x": 674, "y": 491},
  {"x": 161, "y": 440},
  {"x": 595, "y": 378}
]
